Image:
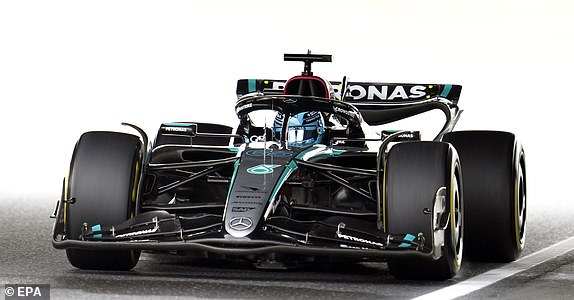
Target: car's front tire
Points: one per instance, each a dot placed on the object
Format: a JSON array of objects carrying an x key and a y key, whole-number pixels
[
  {"x": 101, "y": 190},
  {"x": 415, "y": 171}
]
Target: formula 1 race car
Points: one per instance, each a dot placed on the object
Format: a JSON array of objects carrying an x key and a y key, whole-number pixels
[{"x": 311, "y": 185}]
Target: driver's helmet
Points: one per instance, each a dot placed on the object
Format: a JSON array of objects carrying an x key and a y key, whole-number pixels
[{"x": 303, "y": 129}]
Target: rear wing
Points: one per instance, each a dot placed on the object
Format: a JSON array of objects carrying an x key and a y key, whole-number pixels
[
  {"x": 364, "y": 92},
  {"x": 380, "y": 103}
]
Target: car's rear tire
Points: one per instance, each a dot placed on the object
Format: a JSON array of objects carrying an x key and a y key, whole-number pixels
[
  {"x": 415, "y": 171},
  {"x": 102, "y": 189},
  {"x": 493, "y": 164}
]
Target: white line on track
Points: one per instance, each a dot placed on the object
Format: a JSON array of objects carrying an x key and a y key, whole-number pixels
[{"x": 478, "y": 282}]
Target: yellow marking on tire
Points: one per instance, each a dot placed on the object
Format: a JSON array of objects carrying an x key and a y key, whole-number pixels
[
  {"x": 384, "y": 198},
  {"x": 136, "y": 179},
  {"x": 133, "y": 256}
]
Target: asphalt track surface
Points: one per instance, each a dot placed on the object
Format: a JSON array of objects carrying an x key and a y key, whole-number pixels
[{"x": 27, "y": 257}]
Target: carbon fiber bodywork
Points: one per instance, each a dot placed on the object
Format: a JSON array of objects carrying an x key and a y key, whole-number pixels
[
  {"x": 202, "y": 187},
  {"x": 261, "y": 198}
]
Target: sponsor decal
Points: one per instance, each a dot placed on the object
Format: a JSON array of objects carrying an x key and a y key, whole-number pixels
[
  {"x": 251, "y": 188},
  {"x": 178, "y": 129},
  {"x": 354, "y": 238},
  {"x": 241, "y": 209},
  {"x": 412, "y": 135},
  {"x": 175, "y": 129},
  {"x": 364, "y": 91},
  {"x": 344, "y": 111},
  {"x": 289, "y": 100},
  {"x": 246, "y": 203},
  {"x": 242, "y": 107},
  {"x": 262, "y": 169},
  {"x": 384, "y": 92},
  {"x": 247, "y": 197},
  {"x": 257, "y": 138},
  {"x": 240, "y": 223}
]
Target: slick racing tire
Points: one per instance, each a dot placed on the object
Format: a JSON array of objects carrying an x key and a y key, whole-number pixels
[
  {"x": 414, "y": 173},
  {"x": 102, "y": 183},
  {"x": 494, "y": 170}
]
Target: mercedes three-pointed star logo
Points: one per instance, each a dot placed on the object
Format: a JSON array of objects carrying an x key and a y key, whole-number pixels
[{"x": 240, "y": 223}]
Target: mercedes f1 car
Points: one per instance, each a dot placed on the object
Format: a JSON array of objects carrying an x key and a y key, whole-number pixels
[{"x": 311, "y": 185}]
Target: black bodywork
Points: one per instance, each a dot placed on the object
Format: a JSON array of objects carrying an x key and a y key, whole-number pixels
[{"x": 214, "y": 189}]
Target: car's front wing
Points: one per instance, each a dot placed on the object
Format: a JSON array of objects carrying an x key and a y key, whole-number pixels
[{"x": 161, "y": 231}]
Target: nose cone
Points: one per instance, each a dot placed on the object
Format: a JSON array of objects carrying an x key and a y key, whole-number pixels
[{"x": 254, "y": 187}]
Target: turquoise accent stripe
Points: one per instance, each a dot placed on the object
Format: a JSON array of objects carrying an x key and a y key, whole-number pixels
[
  {"x": 251, "y": 85},
  {"x": 289, "y": 168},
  {"x": 235, "y": 168},
  {"x": 337, "y": 152},
  {"x": 408, "y": 237},
  {"x": 446, "y": 90},
  {"x": 302, "y": 153},
  {"x": 327, "y": 152},
  {"x": 97, "y": 228},
  {"x": 292, "y": 165}
]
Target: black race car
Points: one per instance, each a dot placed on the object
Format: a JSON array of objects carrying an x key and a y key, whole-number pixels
[{"x": 309, "y": 184}]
